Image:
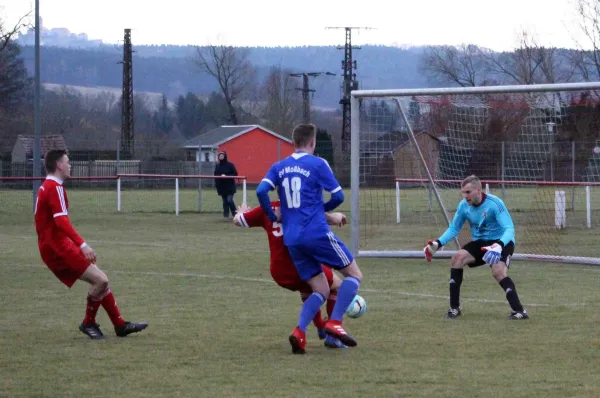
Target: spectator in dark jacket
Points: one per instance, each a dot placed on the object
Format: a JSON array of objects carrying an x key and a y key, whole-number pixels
[{"x": 226, "y": 186}]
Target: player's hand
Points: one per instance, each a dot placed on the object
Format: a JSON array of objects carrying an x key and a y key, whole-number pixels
[
  {"x": 243, "y": 208},
  {"x": 430, "y": 249},
  {"x": 277, "y": 211},
  {"x": 89, "y": 253},
  {"x": 338, "y": 219},
  {"x": 492, "y": 253}
]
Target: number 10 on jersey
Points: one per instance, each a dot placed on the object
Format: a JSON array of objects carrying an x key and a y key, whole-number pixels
[{"x": 292, "y": 191}]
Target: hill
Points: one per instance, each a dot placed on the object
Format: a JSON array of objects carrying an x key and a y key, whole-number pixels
[{"x": 171, "y": 70}]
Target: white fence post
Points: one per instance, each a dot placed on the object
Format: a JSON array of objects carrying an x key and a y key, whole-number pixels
[
  {"x": 588, "y": 205},
  {"x": 118, "y": 193},
  {"x": 244, "y": 193},
  {"x": 397, "y": 202},
  {"x": 177, "y": 196},
  {"x": 560, "y": 215}
]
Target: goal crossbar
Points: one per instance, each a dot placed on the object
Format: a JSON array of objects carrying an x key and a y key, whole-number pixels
[{"x": 507, "y": 89}]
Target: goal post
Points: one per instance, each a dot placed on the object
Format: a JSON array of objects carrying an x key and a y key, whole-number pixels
[{"x": 411, "y": 148}]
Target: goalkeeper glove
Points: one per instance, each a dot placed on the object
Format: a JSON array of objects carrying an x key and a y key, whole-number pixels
[
  {"x": 431, "y": 248},
  {"x": 492, "y": 253}
]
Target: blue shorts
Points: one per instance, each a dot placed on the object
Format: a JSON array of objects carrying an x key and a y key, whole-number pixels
[{"x": 328, "y": 250}]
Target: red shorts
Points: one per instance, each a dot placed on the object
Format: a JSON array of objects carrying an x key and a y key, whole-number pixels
[
  {"x": 68, "y": 264},
  {"x": 296, "y": 284}
]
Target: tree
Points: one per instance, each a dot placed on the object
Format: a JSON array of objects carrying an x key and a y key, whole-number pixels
[
  {"x": 217, "y": 110},
  {"x": 469, "y": 65},
  {"x": 528, "y": 63},
  {"x": 283, "y": 104},
  {"x": 164, "y": 120},
  {"x": 324, "y": 146},
  {"x": 586, "y": 61},
  {"x": 62, "y": 111},
  {"x": 191, "y": 115},
  {"x": 7, "y": 34},
  {"x": 14, "y": 81},
  {"x": 461, "y": 65},
  {"x": 16, "y": 99},
  {"x": 232, "y": 70}
]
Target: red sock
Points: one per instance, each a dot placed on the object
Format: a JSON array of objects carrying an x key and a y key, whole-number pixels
[
  {"x": 91, "y": 310},
  {"x": 331, "y": 303},
  {"x": 110, "y": 306},
  {"x": 318, "y": 319}
]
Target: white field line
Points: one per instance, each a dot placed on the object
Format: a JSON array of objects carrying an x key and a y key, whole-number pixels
[
  {"x": 562, "y": 267},
  {"x": 374, "y": 291}
]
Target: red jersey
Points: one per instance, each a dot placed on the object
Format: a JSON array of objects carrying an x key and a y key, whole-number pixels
[
  {"x": 281, "y": 267},
  {"x": 52, "y": 223}
]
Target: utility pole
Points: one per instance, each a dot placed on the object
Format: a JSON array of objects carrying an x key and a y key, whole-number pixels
[
  {"x": 37, "y": 124},
  {"x": 349, "y": 82},
  {"x": 305, "y": 90},
  {"x": 127, "y": 132}
]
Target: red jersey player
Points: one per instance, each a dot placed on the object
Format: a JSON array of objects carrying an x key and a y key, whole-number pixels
[
  {"x": 282, "y": 267},
  {"x": 67, "y": 255}
]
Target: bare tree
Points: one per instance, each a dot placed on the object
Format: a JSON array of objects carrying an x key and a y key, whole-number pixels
[
  {"x": 528, "y": 63},
  {"x": 456, "y": 65},
  {"x": 469, "y": 65},
  {"x": 7, "y": 34},
  {"x": 283, "y": 104},
  {"x": 232, "y": 70},
  {"x": 587, "y": 59}
]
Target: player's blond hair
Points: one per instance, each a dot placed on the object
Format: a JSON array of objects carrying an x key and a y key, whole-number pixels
[
  {"x": 472, "y": 179},
  {"x": 302, "y": 135}
]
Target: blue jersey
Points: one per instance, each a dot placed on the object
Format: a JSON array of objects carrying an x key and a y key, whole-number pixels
[
  {"x": 300, "y": 180},
  {"x": 489, "y": 220}
]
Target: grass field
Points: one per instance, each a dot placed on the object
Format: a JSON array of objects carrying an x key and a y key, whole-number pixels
[{"x": 219, "y": 325}]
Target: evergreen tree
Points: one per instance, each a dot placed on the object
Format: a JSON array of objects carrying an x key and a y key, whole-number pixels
[{"x": 324, "y": 146}]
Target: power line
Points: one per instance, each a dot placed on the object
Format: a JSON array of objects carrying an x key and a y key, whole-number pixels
[
  {"x": 127, "y": 131},
  {"x": 306, "y": 90},
  {"x": 349, "y": 81}
]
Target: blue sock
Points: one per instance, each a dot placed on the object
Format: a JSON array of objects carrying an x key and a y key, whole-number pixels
[
  {"x": 309, "y": 310},
  {"x": 345, "y": 295}
]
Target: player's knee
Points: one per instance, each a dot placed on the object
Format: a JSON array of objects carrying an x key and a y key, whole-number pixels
[
  {"x": 100, "y": 282},
  {"x": 335, "y": 284},
  {"x": 357, "y": 274},
  {"x": 353, "y": 270},
  {"x": 499, "y": 271},
  {"x": 323, "y": 291},
  {"x": 459, "y": 260}
]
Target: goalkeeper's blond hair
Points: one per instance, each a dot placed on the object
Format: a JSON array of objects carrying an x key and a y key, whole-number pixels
[{"x": 472, "y": 179}]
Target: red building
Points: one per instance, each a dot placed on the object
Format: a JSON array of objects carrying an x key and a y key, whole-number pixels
[{"x": 252, "y": 148}]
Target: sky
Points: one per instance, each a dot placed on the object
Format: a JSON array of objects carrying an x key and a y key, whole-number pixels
[{"x": 491, "y": 24}]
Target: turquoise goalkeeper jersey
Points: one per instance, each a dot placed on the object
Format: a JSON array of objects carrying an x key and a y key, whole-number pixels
[{"x": 489, "y": 220}]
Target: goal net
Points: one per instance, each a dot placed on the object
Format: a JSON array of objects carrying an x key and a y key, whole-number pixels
[{"x": 536, "y": 147}]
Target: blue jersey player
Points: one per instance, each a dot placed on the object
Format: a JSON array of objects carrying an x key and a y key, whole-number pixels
[
  {"x": 300, "y": 180},
  {"x": 493, "y": 235}
]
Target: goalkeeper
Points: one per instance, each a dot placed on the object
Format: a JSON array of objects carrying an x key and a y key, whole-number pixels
[{"x": 493, "y": 235}]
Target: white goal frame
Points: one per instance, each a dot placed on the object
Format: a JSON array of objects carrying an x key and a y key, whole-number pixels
[{"x": 393, "y": 94}]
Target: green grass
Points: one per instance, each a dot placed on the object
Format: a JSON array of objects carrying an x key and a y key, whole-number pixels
[{"x": 219, "y": 325}]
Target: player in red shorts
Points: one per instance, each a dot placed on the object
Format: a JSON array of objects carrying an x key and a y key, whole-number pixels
[
  {"x": 282, "y": 268},
  {"x": 67, "y": 255}
]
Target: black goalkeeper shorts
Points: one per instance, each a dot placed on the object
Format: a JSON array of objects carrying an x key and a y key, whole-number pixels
[{"x": 474, "y": 249}]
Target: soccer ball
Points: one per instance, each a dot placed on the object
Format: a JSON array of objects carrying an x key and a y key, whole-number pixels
[{"x": 357, "y": 307}]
